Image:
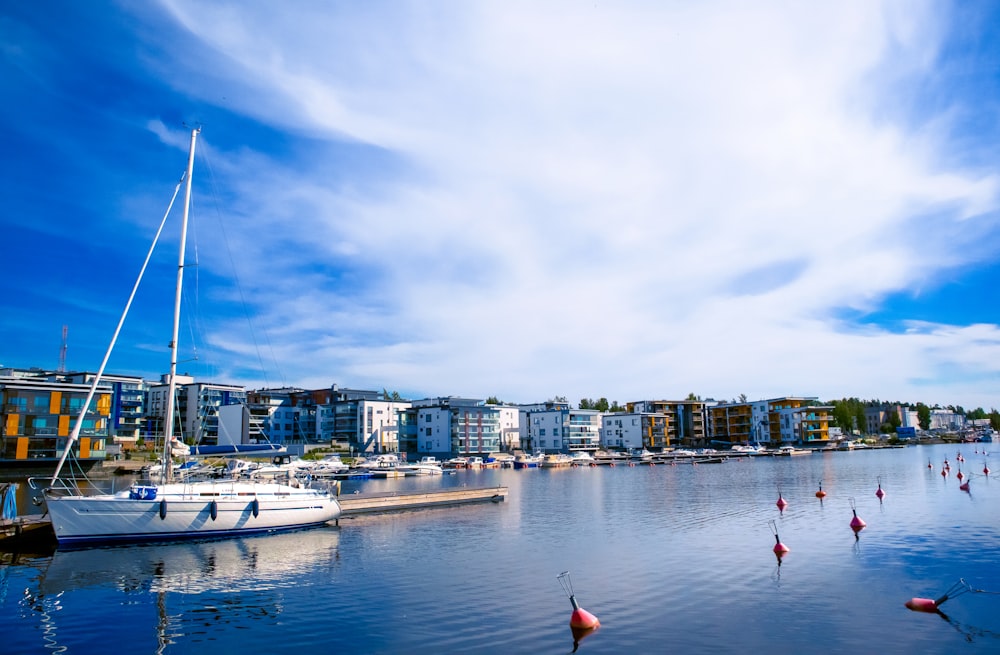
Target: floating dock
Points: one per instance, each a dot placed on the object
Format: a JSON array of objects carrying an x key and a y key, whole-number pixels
[{"x": 357, "y": 504}]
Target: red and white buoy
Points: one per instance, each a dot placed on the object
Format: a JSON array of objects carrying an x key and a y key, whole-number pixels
[
  {"x": 580, "y": 619},
  {"x": 857, "y": 524}
]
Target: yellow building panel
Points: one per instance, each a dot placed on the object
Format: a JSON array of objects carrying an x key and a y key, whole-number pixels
[
  {"x": 22, "y": 448},
  {"x": 63, "y": 426},
  {"x": 12, "y": 421},
  {"x": 104, "y": 404},
  {"x": 84, "y": 447},
  {"x": 55, "y": 399}
]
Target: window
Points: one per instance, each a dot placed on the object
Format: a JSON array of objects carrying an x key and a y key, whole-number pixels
[
  {"x": 541, "y": 432},
  {"x": 427, "y": 417}
]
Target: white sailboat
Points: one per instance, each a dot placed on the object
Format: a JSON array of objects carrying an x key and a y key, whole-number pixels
[{"x": 176, "y": 510}]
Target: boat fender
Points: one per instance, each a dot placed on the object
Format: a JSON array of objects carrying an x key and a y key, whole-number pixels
[
  {"x": 255, "y": 507},
  {"x": 213, "y": 509},
  {"x": 163, "y": 509}
]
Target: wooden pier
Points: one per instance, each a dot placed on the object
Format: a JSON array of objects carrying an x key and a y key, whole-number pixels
[{"x": 358, "y": 504}]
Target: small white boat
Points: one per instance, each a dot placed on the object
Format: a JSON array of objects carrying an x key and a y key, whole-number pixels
[
  {"x": 330, "y": 465},
  {"x": 791, "y": 451},
  {"x": 428, "y": 465},
  {"x": 581, "y": 458}
]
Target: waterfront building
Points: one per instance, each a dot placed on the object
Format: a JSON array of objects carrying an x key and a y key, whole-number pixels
[
  {"x": 287, "y": 415},
  {"x": 451, "y": 426},
  {"x": 37, "y": 417},
  {"x": 947, "y": 420},
  {"x": 685, "y": 419},
  {"x": 774, "y": 422},
  {"x": 128, "y": 400},
  {"x": 799, "y": 420},
  {"x": 527, "y": 438},
  {"x": 634, "y": 431},
  {"x": 561, "y": 429},
  {"x": 879, "y": 415},
  {"x": 197, "y": 406},
  {"x": 363, "y": 421},
  {"x": 510, "y": 427}
]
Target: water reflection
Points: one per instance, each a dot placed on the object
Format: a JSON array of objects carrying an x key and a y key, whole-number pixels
[{"x": 213, "y": 573}]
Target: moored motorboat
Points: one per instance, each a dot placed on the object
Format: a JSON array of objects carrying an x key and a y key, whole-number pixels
[
  {"x": 556, "y": 460},
  {"x": 526, "y": 461}
]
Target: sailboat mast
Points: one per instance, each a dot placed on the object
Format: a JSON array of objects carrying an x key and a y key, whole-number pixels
[{"x": 168, "y": 424}]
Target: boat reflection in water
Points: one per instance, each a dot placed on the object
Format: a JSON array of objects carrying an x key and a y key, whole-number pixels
[
  {"x": 224, "y": 565},
  {"x": 186, "y": 580}
]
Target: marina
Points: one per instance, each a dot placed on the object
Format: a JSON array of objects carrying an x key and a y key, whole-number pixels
[{"x": 679, "y": 552}]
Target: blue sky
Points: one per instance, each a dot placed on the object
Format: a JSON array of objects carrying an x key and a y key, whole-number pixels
[{"x": 629, "y": 200}]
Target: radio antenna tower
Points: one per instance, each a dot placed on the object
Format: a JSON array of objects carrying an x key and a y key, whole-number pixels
[{"x": 62, "y": 350}]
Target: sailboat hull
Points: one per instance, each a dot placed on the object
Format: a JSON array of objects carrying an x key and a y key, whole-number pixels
[{"x": 188, "y": 511}]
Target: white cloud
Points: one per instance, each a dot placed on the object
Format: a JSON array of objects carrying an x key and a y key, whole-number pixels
[{"x": 634, "y": 201}]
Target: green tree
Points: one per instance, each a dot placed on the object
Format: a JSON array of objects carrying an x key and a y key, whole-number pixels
[
  {"x": 995, "y": 419},
  {"x": 923, "y": 416},
  {"x": 493, "y": 400},
  {"x": 692, "y": 396},
  {"x": 390, "y": 395},
  {"x": 602, "y": 404},
  {"x": 586, "y": 403},
  {"x": 615, "y": 407}
]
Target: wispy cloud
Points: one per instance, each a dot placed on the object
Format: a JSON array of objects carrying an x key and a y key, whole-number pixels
[{"x": 625, "y": 200}]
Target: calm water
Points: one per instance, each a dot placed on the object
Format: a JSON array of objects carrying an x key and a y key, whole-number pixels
[{"x": 671, "y": 558}]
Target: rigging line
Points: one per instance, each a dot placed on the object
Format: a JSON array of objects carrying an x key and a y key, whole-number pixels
[
  {"x": 239, "y": 286},
  {"x": 75, "y": 433}
]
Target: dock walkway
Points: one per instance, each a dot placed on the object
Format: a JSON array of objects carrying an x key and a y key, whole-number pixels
[{"x": 357, "y": 504}]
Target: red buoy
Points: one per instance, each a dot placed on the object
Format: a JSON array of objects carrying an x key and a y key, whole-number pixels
[
  {"x": 965, "y": 485},
  {"x": 820, "y": 493},
  {"x": 929, "y": 465},
  {"x": 782, "y": 503},
  {"x": 986, "y": 469},
  {"x": 580, "y": 619},
  {"x": 779, "y": 549},
  {"x": 856, "y": 523},
  {"x": 879, "y": 492},
  {"x": 922, "y": 605},
  {"x": 944, "y": 473},
  {"x": 959, "y": 475}
]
